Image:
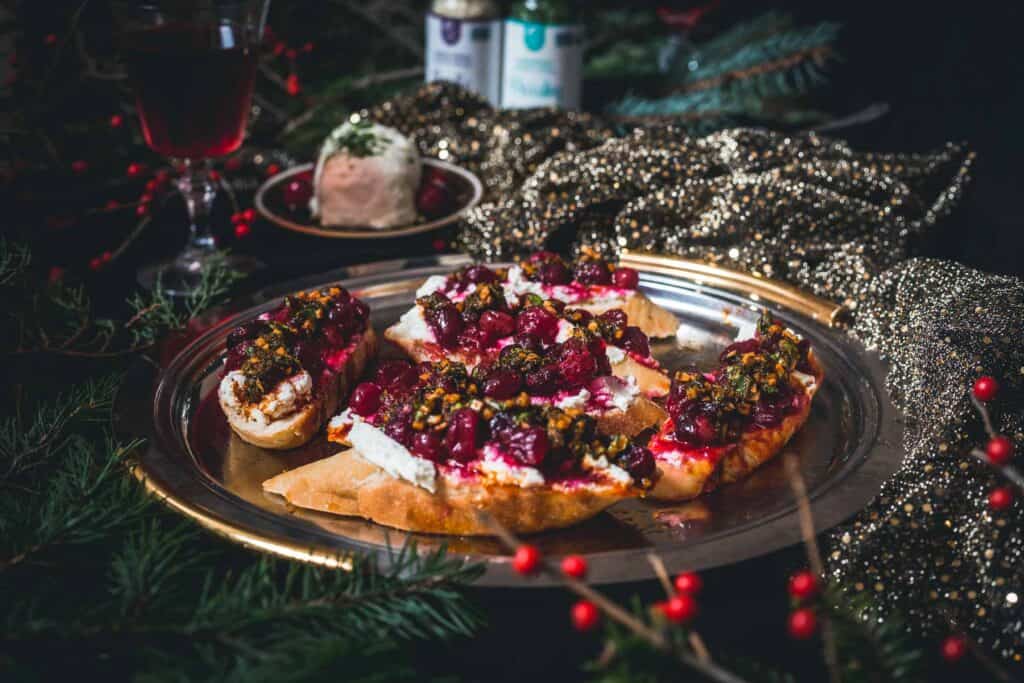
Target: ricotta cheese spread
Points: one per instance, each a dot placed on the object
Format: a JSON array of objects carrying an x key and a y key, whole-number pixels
[
  {"x": 412, "y": 325},
  {"x": 391, "y": 456},
  {"x": 613, "y": 472},
  {"x": 495, "y": 464},
  {"x": 286, "y": 398}
]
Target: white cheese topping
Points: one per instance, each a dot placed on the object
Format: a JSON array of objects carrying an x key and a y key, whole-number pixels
[
  {"x": 496, "y": 465},
  {"x": 615, "y": 354},
  {"x": 412, "y": 325},
  {"x": 434, "y": 283},
  {"x": 745, "y": 329},
  {"x": 564, "y": 331},
  {"x": 577, "y": 400},
  {"x": 287, "y": 397},
  {"x": 614, "y": 472},
  {"x": 621, "y": 392},
  {"x": 345, "y": 418},
  {"x": 516, "y": 284},
  {"x": 391, "y": 456}
]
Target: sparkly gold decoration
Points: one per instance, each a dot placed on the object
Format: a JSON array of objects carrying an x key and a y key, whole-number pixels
[{"x": 841, "y": 223}]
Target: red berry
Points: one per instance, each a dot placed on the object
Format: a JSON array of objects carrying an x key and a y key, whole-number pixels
[
  {"x": 116, "y": 121},
  {"x": 433, "y": 200},
  {"x": 242, "y": 230},
  {"x": 593, "y": 273},
  {"x": 56, "y": 274},
  {"x": 626, "y": 278},
  {"x": 145, "y": 198},
  {"x": 1000, "y": 498},
  {"x": 112, "y": 204},
  {"x": 297, "y": 192},
  {"x": 79, "y": 166},
  {"x": 292, "y": 85},
  {"x": 986, "y": 388},
  {"x": 574, "y": 566},
  {"x": 689, "y": 583},
  {"x": 291, "y": 53},
  {"x": 162, "y": 176},
  {"x": 151, "y": 186},
  {"x": 106, "y": 257},
  {"x": 954, "y": 648},
  {"x": 233, "y": 164},
  {"x": 585, "y": 615},
  {"x": 463, "y": 435},
  {"x": 95, "y": 263},
  {"x": 50, "y": 39},
  {"x": 249, "y": 215},
  {"x": 803, "y": 623},
  {"x": 279, "y": 48},
  {"x": 439, "y": 244},
  {"x": 214, "y": 176},
  {"x": 273, "y": 169},
  {"x": 999, "y": 450},
  {"x": 142, "y": 209},
  {"x": 365, "y": 399},
  {"x": 503, "y": 384},
  {"x": 135, "y": 169},
  {"x": 526, "y": 561},
  {"x": 308, "y": 47},
  {"x": 679, "y": 609},
  {"x": 554, "y": 272},
  {"x": 803, "y": 585},
  {"x": 237, "y": 217},
  {"x": 538, "y": 322}
]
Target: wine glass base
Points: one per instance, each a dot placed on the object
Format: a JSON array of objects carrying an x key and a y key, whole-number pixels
[{"x": 181, "y": 277}]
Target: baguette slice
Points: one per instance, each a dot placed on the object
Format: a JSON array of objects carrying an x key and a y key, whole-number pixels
[
  {"x": 294, "y": 430},
  {"x": 655, "y": 321},
  {"x": 688, "y": 473},
  {"x": 348, "y": 484}
]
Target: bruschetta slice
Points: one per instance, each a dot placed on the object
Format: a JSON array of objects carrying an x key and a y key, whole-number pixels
[
  {"x": 477, "y": 325},
  {"x": 287, "y": 371},
  {"x": 590, "y": 283},
  {"x": 430, "y": 449},
  {"x": 724, "y": 424}
]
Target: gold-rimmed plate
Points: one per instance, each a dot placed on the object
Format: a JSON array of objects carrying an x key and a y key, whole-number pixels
[
  {"x": 273, "y": 202},
  {"x": 850, "y": 444}
]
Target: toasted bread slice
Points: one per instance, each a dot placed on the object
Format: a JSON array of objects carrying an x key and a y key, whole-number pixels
[
  {"x": 292, "y": 431},
  {"x": 652, "y": 382},
  {"x": 655, "y": 321},
  {"x": 348, "y": 484},
  {"x": 685, "y": 475}
]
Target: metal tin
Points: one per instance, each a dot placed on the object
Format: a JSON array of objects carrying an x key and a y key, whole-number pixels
[{"x": 850, "y": 444}]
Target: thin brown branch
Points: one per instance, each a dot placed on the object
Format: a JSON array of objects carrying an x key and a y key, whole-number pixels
[
  {"x": 696, "y": 642},
  {"x": 817, "y": 54},
  {"x": 799, "y": 486},
  {"x": 617, "y": 613},
  {"x": 1010, "y": 472}
]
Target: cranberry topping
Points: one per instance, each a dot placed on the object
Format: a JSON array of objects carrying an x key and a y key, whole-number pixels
[
  {"x": 446, "y": 324},
  {"x": 530, "y": 342},
  {"x": 626, "y": 278},
  {"x": 365, "y": 400},
  {"x": 593, "y": 272},
  {"x": 428, "y": 445},
  {"x": 479, "y": 273},
  {"x": 635, "y": 341},
  {"x": 528, "y": 445},
  {"x": 615, "y": 317},
  {"x": 503, "y": 384},
  {"x": 537, "y": 321},
  {"x": 576, "y": 364},
  {"x": 554, "y": 273},
  {"x": 497, "y": 324},
  {"x": 464, "y": 435},
  {"x": 638, "y": 461},
  {"x": 396, "y": 376},
  {"x": 543, "y": 381}
]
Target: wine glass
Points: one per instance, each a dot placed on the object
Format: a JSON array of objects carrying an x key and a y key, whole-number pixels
[{"x": 192, "y": 64}]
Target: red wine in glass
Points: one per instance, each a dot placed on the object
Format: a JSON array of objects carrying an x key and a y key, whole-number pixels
[
  {"x": 191, "y": 64},
  {"x": 193, "y": 88}
]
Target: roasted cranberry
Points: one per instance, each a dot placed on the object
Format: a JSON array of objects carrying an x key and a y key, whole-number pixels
[
  {"x": 361, "y": 310},
  {"x": 497, "y": 324},
  {"x": 696, "y": 426},
  {"x": 530, "y": 342},
  {"x": 528, "y": 445},
  {"x": 427, "y": 445},
  {"x": 310, "y": 356},
  {"x": 338, "y": 313},
  {"x": 635, "y": 341},
  {"x": 463, "y": 434},
  {"x": 503, "y": 384},
  {"x": 638, "y": 461},
  {"x": 365, "y": 400},
  {"x": 576, "y": 364},
  {"x": 400, "y": 430},
  {"x": 244, "y": 333},
  {"x": 446, "y": 324},
  {"x": 480, "y": 274},
  {"x": 626, "y": 278},
  {"x": 236, "y": 357},
  {"x": 580, "y": 316},
  {"x": 554, "y": 273},
  {"x": 281, "y": 314},
  {"x": 593, "y": 273},
  {"x": 536, "y": 321},
  {"x": 769, "y": 412},
  {"x": 543, "y": 381},
  {"x": 741, "y": 347},
  {"x": 615, "y": 317},
  {"x": 596, "y": 347},
  {"x": 472, "y": 338},
  {"x": 396, "y": 376},
  {"x": 336, "y": 335}
]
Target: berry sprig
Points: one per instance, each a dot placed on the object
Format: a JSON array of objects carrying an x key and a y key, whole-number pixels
[
  {"x": 586, "y": 613},
  {"x": 998, "y": 452}
]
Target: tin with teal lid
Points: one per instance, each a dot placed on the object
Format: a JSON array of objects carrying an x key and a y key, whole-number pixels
[{"x": 542, "y": 64}]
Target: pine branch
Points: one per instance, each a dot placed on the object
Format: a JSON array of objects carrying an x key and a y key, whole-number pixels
[{"x": 872, "y": 649}]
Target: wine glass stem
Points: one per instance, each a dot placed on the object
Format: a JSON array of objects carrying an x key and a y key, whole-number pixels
[{"x": 198, "y": 190}]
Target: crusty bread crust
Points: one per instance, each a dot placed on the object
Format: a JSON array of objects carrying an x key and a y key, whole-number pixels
[
  {"x": 348, "y": 484},
  {"x": 652, "y": 382},
  {"x": 695, "y": 476},
  {"x": 655, "y": 321},
  {"x": 296, "y": 429},
  {"x": 643, "y": 413}
]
